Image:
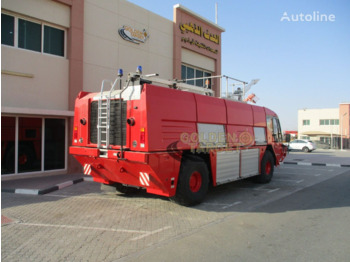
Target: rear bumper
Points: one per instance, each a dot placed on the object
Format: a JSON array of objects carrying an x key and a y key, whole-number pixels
[
  {"x": 141, "y": 157},
  {"x": 157, "y": 172}
]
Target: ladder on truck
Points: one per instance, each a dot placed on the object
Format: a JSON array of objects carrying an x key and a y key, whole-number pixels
[{"x": 104, "y": 117}]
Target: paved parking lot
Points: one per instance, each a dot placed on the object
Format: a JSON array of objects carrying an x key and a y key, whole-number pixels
[{"x": 81, "y": 223}]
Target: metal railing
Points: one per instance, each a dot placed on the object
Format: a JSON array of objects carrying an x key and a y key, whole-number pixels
[{"x": 229, "y": 87}]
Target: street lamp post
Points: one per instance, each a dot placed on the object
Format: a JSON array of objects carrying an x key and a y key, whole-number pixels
[{"x": 341, "y": 130}]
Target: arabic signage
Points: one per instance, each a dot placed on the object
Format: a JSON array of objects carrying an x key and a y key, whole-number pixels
[
  {"x": 133, "y": 35},
  {"x": 193, "y": 28},
  {"x": 205, "y": 34},
  {"x": 198, "y": 44}
]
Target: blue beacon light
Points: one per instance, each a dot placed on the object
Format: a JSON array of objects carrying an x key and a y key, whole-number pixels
[{"x": 120, "y": 72}]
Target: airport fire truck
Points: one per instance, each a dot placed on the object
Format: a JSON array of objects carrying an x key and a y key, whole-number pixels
[{"x": 171, "y": 138}]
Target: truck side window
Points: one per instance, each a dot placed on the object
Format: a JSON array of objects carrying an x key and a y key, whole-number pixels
[
  {"x": 277, "y": 130},
  {"x": 269, "y": 123}
]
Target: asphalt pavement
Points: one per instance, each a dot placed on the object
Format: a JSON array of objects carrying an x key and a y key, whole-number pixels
[
  {"x": 302, "y": 215},
  {"x": 309, "y": 225},
  {"x": 320, "y": 157}
]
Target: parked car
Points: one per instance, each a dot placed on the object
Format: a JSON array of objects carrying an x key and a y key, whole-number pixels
[{"x": 302, "y": 144}]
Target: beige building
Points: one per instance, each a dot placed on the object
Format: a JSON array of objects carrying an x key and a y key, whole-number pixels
[
  {"x": 53, "y": 49},
  {"x": 327, "y": 125}
]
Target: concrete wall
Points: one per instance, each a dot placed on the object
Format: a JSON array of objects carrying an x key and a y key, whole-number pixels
[
  {"x": 197, "y": 60},
  {"x": 105, "y": 51},
  {"x": 32, "y": 79},
  {"x": 46, "y": 10},
  {"x": 344, "y": 119},
  {"x": 44, "y": 86}
]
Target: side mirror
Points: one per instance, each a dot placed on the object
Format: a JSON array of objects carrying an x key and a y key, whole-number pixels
[{"x": 287, "y": 138}]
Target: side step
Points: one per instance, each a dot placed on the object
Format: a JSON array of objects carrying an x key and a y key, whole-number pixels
[{"x": 103, "y": 153}]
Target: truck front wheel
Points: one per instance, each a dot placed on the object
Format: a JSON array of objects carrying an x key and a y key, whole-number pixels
[
  {"x": 193, "y": 182},
  {"x": 267, "y": 168}
]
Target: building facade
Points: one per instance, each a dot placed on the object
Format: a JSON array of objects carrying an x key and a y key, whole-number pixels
[
  {"x": 330, "y": 126},
  {"x": 53, "y": 49}
]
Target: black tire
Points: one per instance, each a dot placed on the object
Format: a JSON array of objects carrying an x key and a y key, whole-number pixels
[
  {"x": 267, "y": 168},
  {"x": 306, "y": 149},
  {"x": 193, "y": 182}
]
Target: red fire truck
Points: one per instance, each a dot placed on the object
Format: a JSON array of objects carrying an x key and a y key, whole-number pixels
[{"x": 172, "y": 139}]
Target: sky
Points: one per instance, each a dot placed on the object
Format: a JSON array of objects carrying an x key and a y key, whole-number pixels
[{"x": 300, "y": 64}]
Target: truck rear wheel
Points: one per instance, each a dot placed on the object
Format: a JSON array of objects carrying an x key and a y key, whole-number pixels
[
  {"x": 193, "y": 182},
  {"x": 267, "y": 168}
]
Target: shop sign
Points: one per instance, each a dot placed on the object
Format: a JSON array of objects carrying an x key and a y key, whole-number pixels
[
  {"x": 198, "y": 44},
  {"x": 133, "y": 35},
  {"x": 196, "y": 29}
]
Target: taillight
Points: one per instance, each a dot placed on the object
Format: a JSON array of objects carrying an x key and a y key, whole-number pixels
[
  {"x": 142, "y": 137},
  {"x": 75, "y": 134}
]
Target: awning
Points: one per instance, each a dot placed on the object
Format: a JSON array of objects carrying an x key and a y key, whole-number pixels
[
  {"x": 318, "y": 133},
  {"x": 33, "y": 111}
]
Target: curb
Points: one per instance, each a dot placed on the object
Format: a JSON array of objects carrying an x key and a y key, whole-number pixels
[
  {"x": 314, "y": 164},
  {"x": 43, "y": 191}
]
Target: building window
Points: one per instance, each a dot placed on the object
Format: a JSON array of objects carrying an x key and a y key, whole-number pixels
[
  {"x": 306, "y": 122},
  {"x": 54, "y": 144},
  {"x": 53, "y": 41},
  {"x": 326, "y": 140},
  {"x": 7, "y": 30},
  {"x": 35, "y": 36},
  {"x": 188, "y": 72},
  {"x": 206, "y": 74},
  {"x": 190, "y": 75},
  {"x": 8, "y": 131},
  {"x": 24, "y": 139},
  {"x": 183, "y": 72},
  {"x": 327, "y": 122},
  {"x": 29, "y": 144},
  {"x": 199, "y": 74},
  {"x": 29, "y": 35}
]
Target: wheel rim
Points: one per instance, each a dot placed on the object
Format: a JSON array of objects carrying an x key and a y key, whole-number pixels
[
  {"x": 195, "y": 181},
  {"x": 268, "y": 168}
]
